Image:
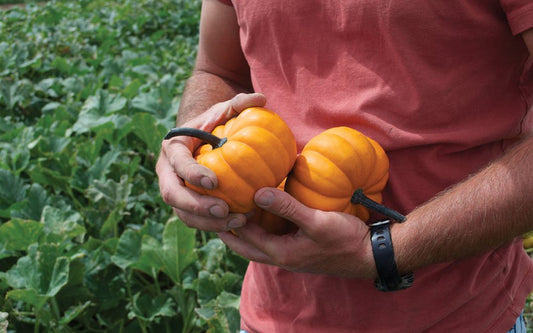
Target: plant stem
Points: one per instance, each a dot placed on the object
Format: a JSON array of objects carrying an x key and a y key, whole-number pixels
[
  {"x": 167, "y": 325},
  {"x": 156, "y": 282},
  {"x": 128, "y": 284},
  {"x": 359, "y": 197},
  {"x": 213, "y": 140},
  {"x": 55, "y": 309},
  {"x": 142, "y": 325},
  {"x": 204, "y": 237},
  {"x": 37, "y": 322}
]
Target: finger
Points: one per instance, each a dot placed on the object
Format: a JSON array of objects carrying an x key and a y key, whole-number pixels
[
  {"x": 176, "y": 194},
  {"x": 186, "y": 167},
  {"x": 232, "y": 221},
  {"x": 243, "y": 248},
  {"x": 220, "y": 113},
  {"x": 287, "y": 251}
]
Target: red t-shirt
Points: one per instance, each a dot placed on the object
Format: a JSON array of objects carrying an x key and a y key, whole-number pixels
[{"x": 445, "y": 87}]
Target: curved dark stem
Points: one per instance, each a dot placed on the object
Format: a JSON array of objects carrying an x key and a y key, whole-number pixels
[
  {"x": 213, "y": 140},
  {"x": 359, "y": 197}
]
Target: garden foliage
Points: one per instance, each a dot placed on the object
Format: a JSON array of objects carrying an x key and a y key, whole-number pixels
[{"x": 87, "y": 91}]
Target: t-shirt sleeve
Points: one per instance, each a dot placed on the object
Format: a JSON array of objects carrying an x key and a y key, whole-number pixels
[
  {"x": 519, "y": 14},
  {"x": 227, "y": 2}
]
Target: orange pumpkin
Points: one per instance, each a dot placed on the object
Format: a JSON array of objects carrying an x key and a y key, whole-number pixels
[
  {"x": 333, "y": 165},
  {"x": 253, "y": 150}
]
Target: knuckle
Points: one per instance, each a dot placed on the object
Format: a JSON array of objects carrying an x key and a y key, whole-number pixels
[
  {"x": 189, "y": 171},
  {"x": 197, "y": 210},
  {"x": 167, "y": 195},
  {"x": 239, "y": 96},
  {"x": 287, "y": 208}
]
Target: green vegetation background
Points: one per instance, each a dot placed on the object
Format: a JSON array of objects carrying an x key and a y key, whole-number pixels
[{"x": 87, "y": 90}]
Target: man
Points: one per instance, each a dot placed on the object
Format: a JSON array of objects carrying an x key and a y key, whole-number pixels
[{"x": 445, "y": 87}]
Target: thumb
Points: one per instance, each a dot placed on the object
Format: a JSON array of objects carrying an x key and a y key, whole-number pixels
[
  {"x": 242, "y": 101},
  {"x": 221, "y": 112},
  {"x": 284, "y": 205}
]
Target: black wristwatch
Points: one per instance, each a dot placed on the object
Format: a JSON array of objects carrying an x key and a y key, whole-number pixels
[{"x": 389, "y": 279}]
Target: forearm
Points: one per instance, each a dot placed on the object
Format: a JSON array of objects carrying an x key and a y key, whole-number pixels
[
  {"x": 204, "y": 89},
  {"x": 221, "y": 70},
  {"x": 481, "y": 213}
]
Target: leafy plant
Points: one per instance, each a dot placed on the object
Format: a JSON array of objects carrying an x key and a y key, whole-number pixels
[{"x": 87, "y": 91}]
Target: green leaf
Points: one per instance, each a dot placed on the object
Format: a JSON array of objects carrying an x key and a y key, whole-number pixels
[
  {"x": 100, "y": 109},
  {"x": 212, "y": 254},
  {"x": 147, "y": 307},
  {"x": 3, "y": 322},
  {"x": 159, "y": 101},
  {"x": 17, "y": 159},
  {"x": 61, "y": 222},
  {"x": 59, "y": 276},
  {"x": 29, "y": 296},
  {"x": 92, "y": 120},
  {"x": 61, "y": 64},
  {"x": 178, "y": 248},
  {"x": 114, "y": 197},
  {"x": 18, "y": 235},
  {"x": 110, "y": 224},
  {"x": 113, "y": 193},
  {"x": 34, "y": 204},
  {"x": 74, "y": 312},
  {"x": 104, "y": 103},
  {"x": 12, "y": 189},
  {"x": 222, "y": 313},
  {"x": 128, "y": 249},
  {"x": 107, "y": 287},
  {"x": 14, "y": 93},
  {"x": 146, "y": 128},
  {"x": 100, "y": 168},
  {"x": 132, "y": 89},
  {"x": 52, "y": 145},
  {"x": 54, "y": 178},
  {"x": 174, "y": 255},
  {"x": 40, "y": 274},
  {"x": 208, "y": 287}
]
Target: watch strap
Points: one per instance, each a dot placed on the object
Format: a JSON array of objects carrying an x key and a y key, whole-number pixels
[{"x": 389, "y": 279}]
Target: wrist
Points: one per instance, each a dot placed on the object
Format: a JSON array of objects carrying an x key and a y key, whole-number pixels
[{"x": 405, "y": 239}]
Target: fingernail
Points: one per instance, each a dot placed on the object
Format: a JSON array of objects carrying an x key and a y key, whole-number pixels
[
  {"x": 265, "y": 199},
  {"x": 217, "y": 211},
  {"x": 207, "y": 183},
  {"x": 235, "y": 223}
]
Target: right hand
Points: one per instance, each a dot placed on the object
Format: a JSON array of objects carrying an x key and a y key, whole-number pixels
[{"x": 176, "y": 165}]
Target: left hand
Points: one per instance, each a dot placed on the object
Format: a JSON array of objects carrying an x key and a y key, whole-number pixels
[{"x": 329, "y": 243}]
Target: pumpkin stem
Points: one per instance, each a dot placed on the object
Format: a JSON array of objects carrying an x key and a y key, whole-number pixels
[
  {"x": 211, "y": 139},
  {"x": 359, "y": 197}
]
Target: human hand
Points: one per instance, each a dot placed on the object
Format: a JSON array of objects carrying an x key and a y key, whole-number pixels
[
  {"x": 176, "y": 165},
  {"x": 330, "y": 243}
]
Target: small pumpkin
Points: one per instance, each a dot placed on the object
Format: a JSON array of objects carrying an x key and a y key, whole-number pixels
[
  {"x": 341, "y": 170},
  {"x": 253, "y": 150},
  {"x": 333, "y": 166}
]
